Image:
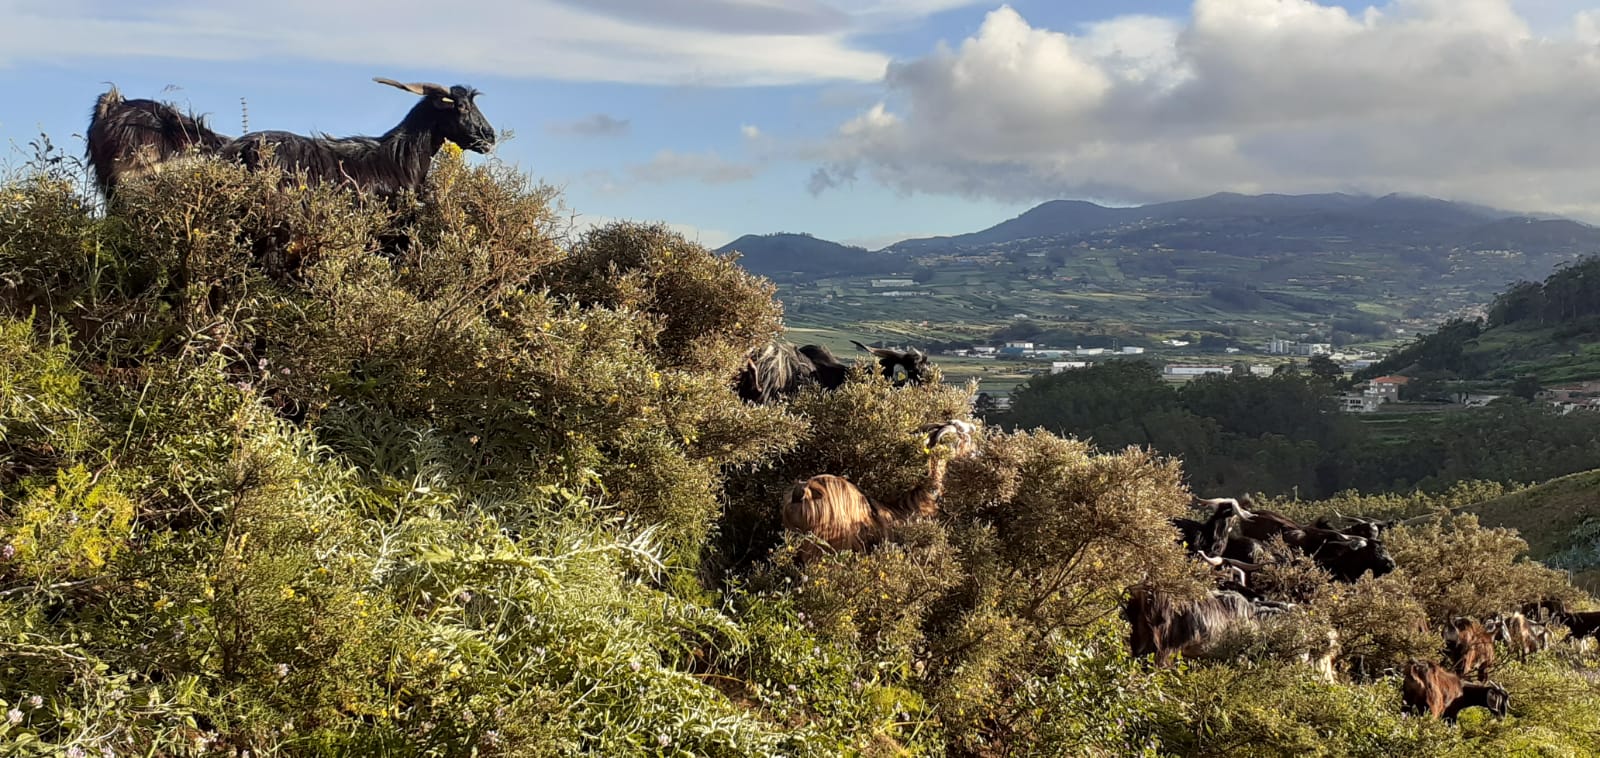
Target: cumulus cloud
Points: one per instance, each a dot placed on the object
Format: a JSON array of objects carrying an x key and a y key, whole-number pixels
[
  {"x": 686, "y": 42},
  {"x": 706, "y": 167},
  {"x": 1457, "y": 98},
  {"x": 750, "y": 131},
  {"x": 597, "y": 125}
]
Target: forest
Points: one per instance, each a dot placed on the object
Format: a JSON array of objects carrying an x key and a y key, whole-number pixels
[
  {"x": 287, "y": 473},
  {"x": 1283, "y": 434}
]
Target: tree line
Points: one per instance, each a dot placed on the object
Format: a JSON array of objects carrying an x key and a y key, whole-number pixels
[{"x": 1284, "y": 434}]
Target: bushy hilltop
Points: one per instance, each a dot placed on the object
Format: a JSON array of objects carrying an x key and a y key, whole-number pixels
[{"x": 285, "y": 474}]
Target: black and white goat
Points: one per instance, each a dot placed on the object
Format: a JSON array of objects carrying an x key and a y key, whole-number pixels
[{"x": 385, "y": 166}]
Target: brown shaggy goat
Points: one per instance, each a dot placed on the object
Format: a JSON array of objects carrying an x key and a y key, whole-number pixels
[
  {"x": 842, "y": 517},
  {"x": 1431, "y": 688},
  {"x": 1470, "y": 647}
]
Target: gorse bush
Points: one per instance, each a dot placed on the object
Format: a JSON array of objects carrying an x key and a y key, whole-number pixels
[{"x": 289, "y": 472}]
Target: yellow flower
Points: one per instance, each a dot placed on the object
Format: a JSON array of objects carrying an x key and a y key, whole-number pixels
[
  {"x": 163, "y": 604},
  {"x": 287, "y": 593}
]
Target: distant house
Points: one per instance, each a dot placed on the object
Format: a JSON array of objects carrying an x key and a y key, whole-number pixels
[
  {"x": 1387, "y": 388},
  {"x": 1081, "y": 350},
  {"x": 985, "y": 350},
  {"x": 897, "y": 293},
  {"x": 1260, "y": 369},
  {"x": 880, "y": 283},
  {"x": 1359, "y": 402},
  {"x": 1016, "y": 348},
  {"x": 1057, "y": 367},
  {"x": 1131, "y": 350}
]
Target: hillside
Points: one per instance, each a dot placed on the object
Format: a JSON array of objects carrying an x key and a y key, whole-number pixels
[
  {"x": 1560, "y": 519},
  {"x": 1548, "y": 330},
  {"x": 287, "y": 473},
  {"x": 792, "y": 255}
]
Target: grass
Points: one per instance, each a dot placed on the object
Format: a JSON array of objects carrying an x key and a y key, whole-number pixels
[{"x": 1548, "y": 515}]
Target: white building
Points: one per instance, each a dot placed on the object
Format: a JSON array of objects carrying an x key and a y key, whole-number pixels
[
  {"x": 893, "y": 283},
  {"x": 1179, "y": 371},
  {"x": 1359, "y": 402},
  {"x": 1081, "y": 350},
  {"x": 1131, "y": 350},
  {"x": 1057, "y": 367}
]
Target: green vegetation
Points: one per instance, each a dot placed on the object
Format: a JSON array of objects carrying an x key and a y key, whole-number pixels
[
  {"x": 1546, "y": 331},
  {"x": 287, "y": 474},
  {"x": 1283, "y": 434}
]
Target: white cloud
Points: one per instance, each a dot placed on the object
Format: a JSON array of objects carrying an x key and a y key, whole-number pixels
[
  {"x": 703, "y": 42},
  {"x": 597, "y": 125},
  {"x": 706, "y": 167},
  {"x": 750, "y": 131},
  {"x": 1458, "y": 98}
]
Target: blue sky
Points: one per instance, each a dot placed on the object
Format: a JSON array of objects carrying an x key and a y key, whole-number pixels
[{"x": 873, "y": 120}]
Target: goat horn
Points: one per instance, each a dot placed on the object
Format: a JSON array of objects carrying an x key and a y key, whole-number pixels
[{"x": 416, "y": 88}]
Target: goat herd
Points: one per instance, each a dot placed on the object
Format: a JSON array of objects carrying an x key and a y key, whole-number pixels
[
  {"x": 129, "y": 138},
  {"x": 1235, "y": 541}
]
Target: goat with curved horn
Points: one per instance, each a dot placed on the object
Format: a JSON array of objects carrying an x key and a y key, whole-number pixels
[{"x": 387, "y": 165}]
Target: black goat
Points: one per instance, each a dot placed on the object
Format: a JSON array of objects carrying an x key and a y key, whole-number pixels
[
  {"x": 1210, "y": 536},
  {"x": 128, "y": 138},
  {"x": 913, "y": 362},
  {"x": 384, "y": 166}
]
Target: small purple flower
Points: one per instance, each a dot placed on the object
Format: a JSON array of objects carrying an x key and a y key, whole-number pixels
[
  {"x": 8, "y": 552},
  {"x": 282, "y": 670},
  {"x": 285, "y": 372},
  {"x": 465, "y": 597},
  {"x": 35, "y": 701},
  {"x": 75, "y": 752},
  {"x": 491, "y": 738},
  {"x": 663, "y": 740},
  {"x": 14, "y": 716},
  {"x": 633, "y": 665}
]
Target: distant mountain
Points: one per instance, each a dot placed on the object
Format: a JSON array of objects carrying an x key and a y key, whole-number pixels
[
  {"x": 1423, "y": 231},
  {"x": 1053, "y": 218},
  {"x": 1211, "y": 221},
  {"x": 1522, "y": 232},
  {"x": 784, "y": 254}
]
